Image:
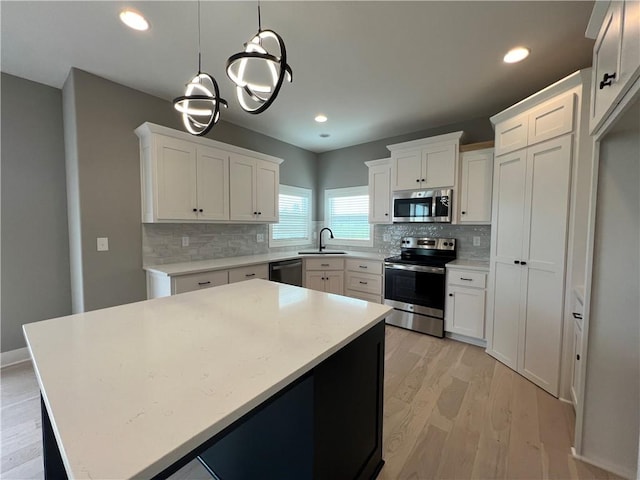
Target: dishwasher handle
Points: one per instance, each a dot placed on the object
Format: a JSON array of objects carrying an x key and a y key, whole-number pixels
[{"x": 286, "y": 264}]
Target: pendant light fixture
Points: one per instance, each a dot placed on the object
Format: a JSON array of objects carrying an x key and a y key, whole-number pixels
[
  {"x": 200, "y": 105},
  {"x": 257, "y": 73}
]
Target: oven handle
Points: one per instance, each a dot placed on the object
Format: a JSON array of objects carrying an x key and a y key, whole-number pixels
[{"x": 415, "y": 268}]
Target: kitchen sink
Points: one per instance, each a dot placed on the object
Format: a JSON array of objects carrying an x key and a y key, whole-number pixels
[{"x": 323, "y": 252}]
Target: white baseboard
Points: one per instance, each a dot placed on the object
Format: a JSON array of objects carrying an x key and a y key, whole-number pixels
[
  {"x": 463, "y": 338},
  {"x": 621, "y": 472},
  {"x": 14, "y": 356}
]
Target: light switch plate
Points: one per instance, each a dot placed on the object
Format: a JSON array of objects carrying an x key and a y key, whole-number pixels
[
  {"x": 103, "y": 244},
  {"x": 260, "y": 237},
  {"x": 185, "y": 241},
  {"x": 476, "y": 241}
]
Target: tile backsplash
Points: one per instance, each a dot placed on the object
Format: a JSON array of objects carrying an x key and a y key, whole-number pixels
[{"x": 162, "y": 242}]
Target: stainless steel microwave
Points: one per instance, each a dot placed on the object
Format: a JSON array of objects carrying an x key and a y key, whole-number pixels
[{"x": 422, "y": 206}]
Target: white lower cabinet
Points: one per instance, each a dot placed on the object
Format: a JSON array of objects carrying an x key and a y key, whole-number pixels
[
  {"x": 325, "y": 274},
  {"x": 364, "y": 280},
  {"x": 464, "y": 310},
  {"x": 249, "y": 273}
]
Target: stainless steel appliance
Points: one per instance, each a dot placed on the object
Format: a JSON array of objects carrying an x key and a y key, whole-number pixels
[
  {"x": 286, "y": 271},
  {"x": 415, "y": 284},
  {"x": 422, "y": 206}
]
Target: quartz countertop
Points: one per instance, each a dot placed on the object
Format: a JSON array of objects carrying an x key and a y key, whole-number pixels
[
  {"x": 185, "y": 268},
  {"x": 481, "y": 265},
  {"x": 133, "y": 388}
]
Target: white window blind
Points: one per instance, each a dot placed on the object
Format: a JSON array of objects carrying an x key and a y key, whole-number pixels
[
  {"x": 294, "y": 227},
  {"x": 347, "y": 215}
]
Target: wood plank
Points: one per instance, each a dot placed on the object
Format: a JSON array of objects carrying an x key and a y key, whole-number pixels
[
  {"x": 553, "y": 440},
  {"x": 425, "y": 457}
]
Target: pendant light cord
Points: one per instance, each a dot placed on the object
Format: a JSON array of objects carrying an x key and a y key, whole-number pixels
[{"x": 199, "y": 53}]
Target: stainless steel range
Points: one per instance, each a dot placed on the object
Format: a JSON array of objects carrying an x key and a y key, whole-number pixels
[{"x": 415, "y": 283}]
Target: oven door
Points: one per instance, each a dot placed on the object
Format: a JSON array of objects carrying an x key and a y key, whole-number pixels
[{"x": 415, "y": 288}]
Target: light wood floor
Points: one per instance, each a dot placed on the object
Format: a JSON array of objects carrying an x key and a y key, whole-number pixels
[{"x": 451, "y": 412}]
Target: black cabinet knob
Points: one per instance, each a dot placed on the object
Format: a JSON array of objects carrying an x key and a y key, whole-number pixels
[
  {"x": 201, "y": 210},
  {"x": 517, "y": 262},
  {"x": 451, "y": 294},
  {"x": 418, "y": 180},
  {"x": 259, "y": 213},
  {"x": 386, "y": 214},
  {"x": 463, "y": 213},
  {"x": 523, "y": 263},
  {"x": 255, "y": 213},
  {"x": 195, "y": 209},
  {"x": 423, "y": 179},
  {"x": 607, "y": 79}
]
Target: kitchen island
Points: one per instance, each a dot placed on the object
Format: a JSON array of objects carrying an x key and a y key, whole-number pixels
[{"x": 252, "y": 378}]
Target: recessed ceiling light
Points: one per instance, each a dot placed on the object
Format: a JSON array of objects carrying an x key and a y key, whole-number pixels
[
  {"x": 321, "y": 118},
  {"x": 133, "y": 19},
  {"x": 516, "y": 54},
  {"x": 324, "y": 135}
]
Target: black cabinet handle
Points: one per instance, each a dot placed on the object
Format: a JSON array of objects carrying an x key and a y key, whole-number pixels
[
  {"x": 259, "y": 213},
  {"x": 607, "y": 80},
  {"x": 324, "y": 264},
  {"x": 249, "y": 274},
  {"x": 577, "y": 316},
  {"x": 362, "y": 266},
  {"x": 204, "y": 283},
  {"x": 523, "y": 263},
  {"x": 466, "y": 279},
  {"x": 364, "y": 283},
  {"x": 578, "y": 357},
  {"x": 517, "y": 262}
]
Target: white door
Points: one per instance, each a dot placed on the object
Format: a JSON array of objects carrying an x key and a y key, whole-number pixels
[
  {"x": 544, "y": 247},
  {"x": 213, "y": 184},
  {"x": 267, "y": 189},
  {"x": 505, "y": 286},
  {"x": 407, "y": 170},
  {"x": 242, "y": 188},
  {"x": 439, "y": 166},
  {"x": 465, "y": 311},
  {"x": 379, "y": 194},
  {"x": 476, "y": 187},
  {"x": 334, "y": 282},
  {"x": 176, "y": 179}
]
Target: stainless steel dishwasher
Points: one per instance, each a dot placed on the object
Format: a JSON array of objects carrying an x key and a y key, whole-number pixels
[{"x": 286, "y": 271}]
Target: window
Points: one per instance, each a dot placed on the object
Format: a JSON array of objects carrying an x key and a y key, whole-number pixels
[
  {"x": 294, "y": 227},
  {"x": 346, "y": 213}
]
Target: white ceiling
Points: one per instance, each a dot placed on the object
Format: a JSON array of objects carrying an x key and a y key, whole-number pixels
[{"x": 376, "y": 69}]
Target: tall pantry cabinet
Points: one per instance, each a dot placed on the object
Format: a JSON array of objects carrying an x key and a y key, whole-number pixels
[{"x": 534, "y": 151}]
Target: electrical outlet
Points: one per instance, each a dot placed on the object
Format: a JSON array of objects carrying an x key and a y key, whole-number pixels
[
  {"x": 476, "y": 241},
  {"x": 386, "y": 237},
  {"x": 185, "y": 241},
  {"x": 103, "y": 244},
  {"x": 260, "y": 237}
]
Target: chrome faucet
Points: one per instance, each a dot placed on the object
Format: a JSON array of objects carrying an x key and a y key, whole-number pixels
[{"x": 320, "y": 247}]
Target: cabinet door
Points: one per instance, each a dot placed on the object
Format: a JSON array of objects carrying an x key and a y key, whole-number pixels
[
  {"x": 334, "y": 282},
  {"x": 439, "y": 166},
  {"x": 176, "y": 179},
  {"x": 606, "y": 60},
  {"x": 630, "y": 48},
  {"x": 544, "y": 250},
  {"x": 267, "y": 189},
  {"x": 242, "y": 188},
  {"x": 314, "y": 280},
  {"x": 213, "y": 184},
  {"x": 380, "y": 194},
  {"x": 476, "y": 187},
  {"x": 406, "y": 170},
  {"x": 577, "y": 355},
  {"x": 465, "y": 311},
  {"x": 511, "y": 135}
]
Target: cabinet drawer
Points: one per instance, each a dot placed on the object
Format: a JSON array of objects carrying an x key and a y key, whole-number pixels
[
  {"x": 365, "y": 266},
  {"x": 512, "y": 134},
  {"x": 551, "y": 119},
  {"x": 363, "y": 282},
  {"x": 197, "y": 281},
  {"x": 467, "y": 278},
  {"x": 249, "y": 273},
  {"x": 324, "y": 264},
  {"x": 369, "y": 297}
]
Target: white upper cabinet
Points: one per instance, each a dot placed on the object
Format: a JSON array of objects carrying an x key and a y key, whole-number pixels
[
  {"x": 379, "y": 190},
  {"x": 192, "y": 179},
  {"x": 427, "y": 163},
  {"x": 254, "y": 187},
  {"x": 616, "y": 57},
  {"x": 476, "y": 180}
]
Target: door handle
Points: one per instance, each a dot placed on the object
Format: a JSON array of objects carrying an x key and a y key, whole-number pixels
[
  {"x": 577, "y": 316},
  {"x": 607, "y": 79}
]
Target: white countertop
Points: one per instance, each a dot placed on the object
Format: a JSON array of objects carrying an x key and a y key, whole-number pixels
[
  {"x": 131, "y": 389},
  {"x": 185, "y": 268},
  {"x": 480, "y": 265}
]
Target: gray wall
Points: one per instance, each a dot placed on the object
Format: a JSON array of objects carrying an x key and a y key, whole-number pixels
[
  {"x": 345, "y": 167},
  {"x": 35, "y": 247},
  {"x": 104, "y": 164}
]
